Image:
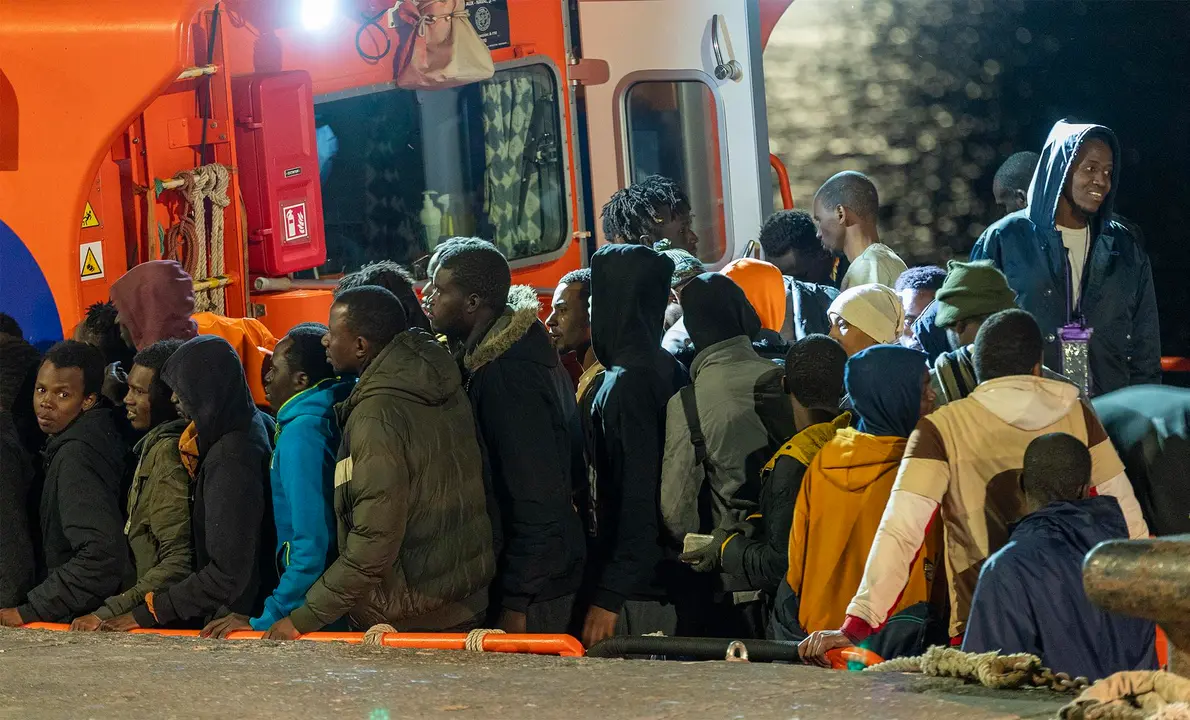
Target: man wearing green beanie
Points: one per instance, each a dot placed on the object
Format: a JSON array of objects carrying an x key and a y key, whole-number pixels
[{"x": 971, "y": 294}]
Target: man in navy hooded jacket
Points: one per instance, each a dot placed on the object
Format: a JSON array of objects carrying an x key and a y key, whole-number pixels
[
  {"x": 1030, "y": 595},
  {"x": 1066, "y": 240}
]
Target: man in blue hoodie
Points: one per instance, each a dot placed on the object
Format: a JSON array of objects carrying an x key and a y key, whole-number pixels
[
  {"x": 1070, "y": 261},
  {"x": 1030, "y": 595},
  {"x": 303, "y": 390}
]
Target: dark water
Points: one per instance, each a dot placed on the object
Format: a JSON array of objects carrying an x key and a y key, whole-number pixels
[{"x": 930, "y": 96}]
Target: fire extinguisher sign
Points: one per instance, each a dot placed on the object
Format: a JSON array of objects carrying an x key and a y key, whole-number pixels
[{"x": 294, "y": 220}]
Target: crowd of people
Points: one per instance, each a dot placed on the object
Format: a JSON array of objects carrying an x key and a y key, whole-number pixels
[{"x": 885, "y": 456}]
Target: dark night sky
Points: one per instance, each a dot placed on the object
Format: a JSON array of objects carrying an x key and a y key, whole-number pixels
[{"x": 929, "y": 96}]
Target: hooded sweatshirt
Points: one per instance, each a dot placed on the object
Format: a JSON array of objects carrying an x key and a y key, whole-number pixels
[
  {"x": 1030, "y": 596},
  {"x": 1150, "y": 428},
  {"x": 231, "y": 522},
  {"x": 1116, "y": 296},
  {"x": 155, "y": 300},
  {"x": 764, "y": 287},
  {"x": 965, "y": 460},
  {"x": 529, "y": 429},
  {"x": 847, "y": 486},
  {"x": 81, "y": 527},
  {"x": 415, "y": 541},
  {"x": 626, "y": 428},
  {"x": 743, "y": 413},
  {"x": 302, "y": 479}
]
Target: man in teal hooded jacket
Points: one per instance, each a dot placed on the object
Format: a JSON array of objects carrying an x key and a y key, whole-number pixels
[
  {"x": 1067, "y": 257},
  {"x": 302, "y": 390}
]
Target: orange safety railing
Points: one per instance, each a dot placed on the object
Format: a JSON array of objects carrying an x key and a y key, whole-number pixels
[
  {"x": 563, "y": 645},
  {"x": 782, "y": 181},
  {"x": 1175, "y": 364}
]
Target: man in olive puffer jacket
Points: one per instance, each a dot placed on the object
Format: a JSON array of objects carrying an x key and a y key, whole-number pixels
[{"x": 415, "y": 542}]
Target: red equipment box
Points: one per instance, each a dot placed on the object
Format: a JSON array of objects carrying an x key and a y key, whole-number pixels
[{"x": 278, "y": 157}]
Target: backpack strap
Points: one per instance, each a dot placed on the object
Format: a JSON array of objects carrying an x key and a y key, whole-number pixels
[{"x": 697, "y": 439}]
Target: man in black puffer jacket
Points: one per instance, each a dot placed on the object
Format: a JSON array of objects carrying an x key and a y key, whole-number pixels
[
  {"x": 85, "y": 458},
  {"x": 227, "y": 450},
  {"x": 528, "y": 424}
]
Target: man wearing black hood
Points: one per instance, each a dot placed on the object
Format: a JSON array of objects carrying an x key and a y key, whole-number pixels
[
  {"x": 626, "y": 436},
  {"x": 1069, "y": 261},
  {"x": 81, "y": 529},
  {"x": 736, "y": 403},
  {"x": 227, "y": 450}
]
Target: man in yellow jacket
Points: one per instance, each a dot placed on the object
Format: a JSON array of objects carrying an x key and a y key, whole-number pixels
[{"x": 843, "y": 498}]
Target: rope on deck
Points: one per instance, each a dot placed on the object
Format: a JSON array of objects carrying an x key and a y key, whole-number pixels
[{"x": 990, "y": 669}]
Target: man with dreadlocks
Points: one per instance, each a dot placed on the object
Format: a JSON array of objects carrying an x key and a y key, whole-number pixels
[{"x": 653, "y": 209}]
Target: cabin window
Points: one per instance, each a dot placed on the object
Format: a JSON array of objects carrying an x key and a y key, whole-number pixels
[
  {"x": 673, "y": 130},
  {"x": 402, "y": 170}
]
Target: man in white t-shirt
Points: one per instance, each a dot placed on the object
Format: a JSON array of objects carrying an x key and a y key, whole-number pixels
[{"x": 845, "y": 210}]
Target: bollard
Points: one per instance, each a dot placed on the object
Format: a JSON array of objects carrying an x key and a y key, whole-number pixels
[{"x": 1148, "y": 579}]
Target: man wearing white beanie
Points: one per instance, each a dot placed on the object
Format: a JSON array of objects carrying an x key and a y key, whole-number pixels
[{"x": 866, "y": 315}]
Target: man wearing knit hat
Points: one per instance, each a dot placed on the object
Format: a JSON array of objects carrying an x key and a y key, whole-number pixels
[
  {"x": 971, "y": 294},
  {"x": 866, "y": 315},
  {"x": 686, "y": 268}
]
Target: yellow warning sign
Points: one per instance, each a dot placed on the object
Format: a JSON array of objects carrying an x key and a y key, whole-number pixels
[
  {"x": 89, "y": 218},
  {"x": 91, "y": 261}
]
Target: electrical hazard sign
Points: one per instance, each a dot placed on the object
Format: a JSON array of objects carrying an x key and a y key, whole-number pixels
[
  {"x": 294, "y": 218},
  {"x": 90, "y": 220},
  {"x": 91, "y": 261}
]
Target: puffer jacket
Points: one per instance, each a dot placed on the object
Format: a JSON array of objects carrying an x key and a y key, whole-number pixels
[
  {"x": 415, "y": 541},
  {"x": 158, "y": 526},
  {"x": 528, "y": 424},
  {"x": 1117, "y": 298}
]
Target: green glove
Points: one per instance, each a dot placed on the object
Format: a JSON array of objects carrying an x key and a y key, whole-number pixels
[{"x": 706, "y": 558}]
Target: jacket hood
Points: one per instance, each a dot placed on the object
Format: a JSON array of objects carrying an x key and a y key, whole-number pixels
[
  {"x": 884, "y": 383},
  {"x": 206, "y": 375},
  {"x": 629, "y": 292},
  {"x": 764, "y": 287},
  {"x": 1027, "y": 402},
  {"x": 412, "y": 367},
  {"x": 95, "y": 427},
  {"x": 155, "y": 300},
  {"x": 1053, "y": 168},
  {"x": 853, "y": 460},
  {"x": 519, "y": 316},
  {"x": 318, "y": 400},
  {"x": 716, "y": 309},
  {"x": 1082, "y": 524},
  {"x": 169, "y": 429}
]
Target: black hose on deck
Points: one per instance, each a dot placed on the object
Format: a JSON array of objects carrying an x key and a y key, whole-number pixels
[{"x": 692, "y": 647}]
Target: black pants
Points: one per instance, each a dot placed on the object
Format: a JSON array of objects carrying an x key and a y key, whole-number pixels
[{"x": 551, "y": 617}]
